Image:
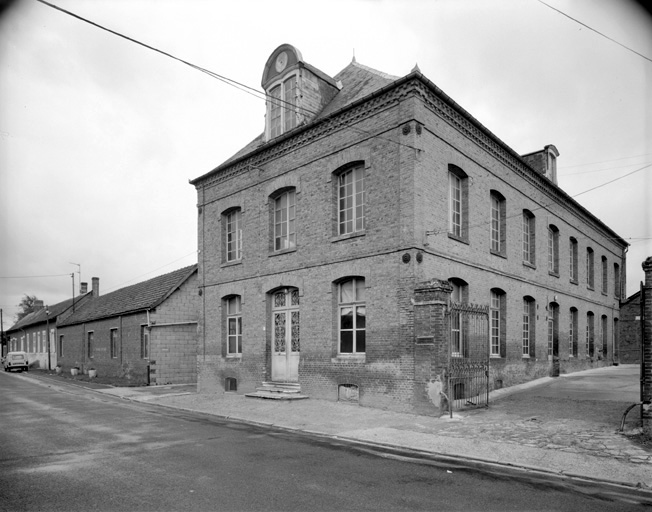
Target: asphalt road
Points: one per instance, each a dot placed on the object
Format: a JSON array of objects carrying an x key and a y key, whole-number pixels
[{"x": 74, "y": 449}]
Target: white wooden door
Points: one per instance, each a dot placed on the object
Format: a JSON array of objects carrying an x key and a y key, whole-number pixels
[{"x": 286, "y": 349}]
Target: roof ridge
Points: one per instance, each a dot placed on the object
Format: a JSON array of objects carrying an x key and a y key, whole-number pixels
[{"x": 381, "y": 74}]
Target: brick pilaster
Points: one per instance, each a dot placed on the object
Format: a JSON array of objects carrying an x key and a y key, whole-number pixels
[{"x": 431, "y": 344}]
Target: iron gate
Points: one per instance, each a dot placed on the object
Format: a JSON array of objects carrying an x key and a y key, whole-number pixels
[{"x": 468, "y": 356}]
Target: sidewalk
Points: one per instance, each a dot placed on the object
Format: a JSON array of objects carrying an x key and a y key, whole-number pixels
[{"x": 532, "y": 427}]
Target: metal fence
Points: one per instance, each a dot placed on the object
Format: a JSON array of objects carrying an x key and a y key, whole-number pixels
[{"x": 468, "y": 359}]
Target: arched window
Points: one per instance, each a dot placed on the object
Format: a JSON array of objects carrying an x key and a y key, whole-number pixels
[
  {"x": 457, "y": 202},
  {"x": 498, "y": 231},
  {"x": 553, "y": 329},
  {"x": 605, "y": 275},
  {"x": 352, "y": 316},
  {"x": 284, "y": 205},
  {"x": 553, "y": 250},
  {"x": 590, "y": 269},
  {"x": 459, "y": 330},
  {"x": 351, "y": 200},
  {"x": 529, "y": 247},
  {"x": 529, "y": 328},
  {"x": 232, "y": 229},
  {"x": 573, "y": 260},
  {"x": 498, "y": 317},
  {"x": 572, "y": 333},
  {"x": 590, "y": 332}
]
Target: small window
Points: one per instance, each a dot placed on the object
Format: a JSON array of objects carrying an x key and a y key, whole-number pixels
[
  {"x": 114, "y": 343},
  {"x": 498, "y": 232},
  {"x": 89, "y": 347},
  {"x": 573, "y": 260},
  {"x": 351, "y": 200},
  {"x": 553, "y": 249},
  {"x": 234, "y": 326},
  {"x": 60, "y": 351},
  {"x": 233, "y": 235},
  {"x": 529, "y": 248},
  {"x": 352, "y": 316},
  {"x": 144, "y": 342},
  {"x": 285, "y": 221},
  {"x": 230, "y": 384},
  {"x": 590, "y": 269}
]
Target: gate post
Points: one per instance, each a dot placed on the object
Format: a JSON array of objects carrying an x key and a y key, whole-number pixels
[
  {"x": 646, "y": 342},
  {"x": 431, "y": 339}
]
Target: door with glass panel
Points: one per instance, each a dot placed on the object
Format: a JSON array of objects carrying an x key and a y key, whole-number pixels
[{"x": 285, "y": 335}]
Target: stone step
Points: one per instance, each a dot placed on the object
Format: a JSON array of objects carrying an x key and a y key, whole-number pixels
[{"x": 278, "y": 391}]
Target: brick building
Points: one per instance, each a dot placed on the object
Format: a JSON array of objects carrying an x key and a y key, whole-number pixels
[
  {"x": 630, "y": 330},
  {"x": 366, "y": 198},
  {"x": 146, "y": 332},
  {"x": 30, "y": 333}
]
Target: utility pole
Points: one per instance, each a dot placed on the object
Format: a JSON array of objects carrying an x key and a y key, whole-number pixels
[{"x": 47, "y": 323}]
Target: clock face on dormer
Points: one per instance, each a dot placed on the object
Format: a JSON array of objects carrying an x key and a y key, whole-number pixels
[{"x": 281, "y": 61}]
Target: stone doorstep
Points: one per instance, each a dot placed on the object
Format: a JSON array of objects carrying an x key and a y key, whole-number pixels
[{"x": 278, "y": 391}]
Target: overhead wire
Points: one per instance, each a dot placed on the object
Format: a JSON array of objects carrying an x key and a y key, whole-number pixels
[
  {"x": 596, "y": 31},
  {"x": 229, "y": 81}
]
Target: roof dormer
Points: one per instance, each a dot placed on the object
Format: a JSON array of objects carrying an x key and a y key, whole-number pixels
[{"x": 296, "y": 91}]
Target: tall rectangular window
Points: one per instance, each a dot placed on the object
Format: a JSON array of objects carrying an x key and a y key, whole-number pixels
[
  {"x": 289, "y": 107},
  {"x": 605, "y": 275},
  {"x": 617, "y": 284},
  {"x": 528, "y": 326},
  {"x": 234, "y": 326},
  {"x": 589, "y": 334},
  {"x": 553, "y": 249},
  {"x": 284, "y": 221},
  {"x": 455, "y": 204},
  {"x": 497, "y": 316},
  {"x": 604, "y": 335},
  {"x": 144, "y": 342},
  {"x": 353, "y": 315},
  {"x": 573, "y": 260},
  {"x": 114, "y": 343},
  {"x": 572, "y": 333},
  {"x": 351, "y": 200},
  {"x": 60, "y": 351},
  {"x": 590, "y": 269},
  {"x": 528, "y": 238},
  {"x": 233, "y": 234},
  {"x": 495, "y": 224},
  {"x": 90, "y": 347}
]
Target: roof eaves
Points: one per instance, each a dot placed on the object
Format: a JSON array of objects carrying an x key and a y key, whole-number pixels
[{"x": 174, "y": 288}]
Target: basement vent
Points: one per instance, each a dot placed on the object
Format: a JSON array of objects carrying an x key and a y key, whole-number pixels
[
  {"x": 231, "y": 384},
  {"x": 348, "y": 393}
]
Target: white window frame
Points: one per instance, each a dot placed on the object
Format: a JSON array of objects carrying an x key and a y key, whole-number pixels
[
  {"x": 528, "y": 238},
  {"x": 590, "y": 268},
  {"x": 113, "y": 343},
  {"x": 527, "y": 328},
  {"x": 573, "y": 264},
  {"x": 233, "y": 324},
  {"x": 233, "y": 234},
  {"x": 553, "y": 250},
  {"x": 455, "y": 204},
  {"x": 495, "y": 326},
  {"x": 356, "y": 308},
  {"x": 283, "y": 105},
  {"x": 351, "y": 200},
  {"x": 285, "y": 236}
]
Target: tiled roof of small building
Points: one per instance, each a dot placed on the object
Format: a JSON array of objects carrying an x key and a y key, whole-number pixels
[
  {"x": 137, "y": 297},
  {"x": 40, "y": 316}
]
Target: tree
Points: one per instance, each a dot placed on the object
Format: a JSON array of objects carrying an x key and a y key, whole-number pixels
[{"x": 26, "y": 306}]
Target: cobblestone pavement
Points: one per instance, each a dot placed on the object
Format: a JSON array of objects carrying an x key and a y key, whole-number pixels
[{"x": 544, "y": 423}]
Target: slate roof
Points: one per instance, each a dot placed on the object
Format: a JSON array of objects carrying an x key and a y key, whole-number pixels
[
  {"x": 131, "y": 299},
  {"x": 39, "y": 316},
  {"x": 357, "y": 80}
]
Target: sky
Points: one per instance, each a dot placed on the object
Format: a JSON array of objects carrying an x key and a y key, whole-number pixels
[{"x": 99, "y": 136}]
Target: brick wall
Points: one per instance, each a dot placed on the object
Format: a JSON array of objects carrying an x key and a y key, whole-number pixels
[
  {"x": 630, "y": 331},
  {"x": 405, "y": 242}
]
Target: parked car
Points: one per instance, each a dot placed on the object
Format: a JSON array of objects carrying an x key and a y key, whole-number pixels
[{"x": 16, "y": 361}]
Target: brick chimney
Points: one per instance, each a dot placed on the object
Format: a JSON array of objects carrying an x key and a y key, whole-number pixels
[
  {"x": 38, "y": 304},
  {"x": 96, "y": 286},
  {"x": 83, "y": 288},
  {"x": 544, "y": 162}
]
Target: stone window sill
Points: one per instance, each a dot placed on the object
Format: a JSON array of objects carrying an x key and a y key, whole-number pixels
[
  {"x": 458, "y": 238},
  {"x": 349, "y": 358},
  {"x": 348, "y": 236}
]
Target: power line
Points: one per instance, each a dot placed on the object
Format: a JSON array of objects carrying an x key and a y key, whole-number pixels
[
  {"x": 229, "y": 81},
  {"x": 32, "y": 277},
  {"x": 603, "y": 161},
  {"x": 597, "y": 170},
  {"x": 594, "y": 30},
  {"x": 615, "y": 179}
]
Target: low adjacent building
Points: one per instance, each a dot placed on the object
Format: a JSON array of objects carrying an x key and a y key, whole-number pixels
[{"x": 146, "y": 332}]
